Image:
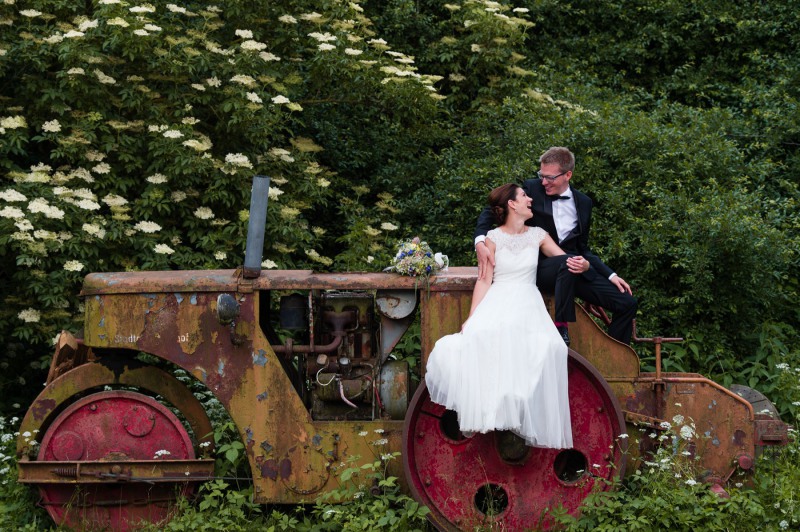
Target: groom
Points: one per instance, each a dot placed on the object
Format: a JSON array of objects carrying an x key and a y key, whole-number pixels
[{"x": 566, "y": 214}]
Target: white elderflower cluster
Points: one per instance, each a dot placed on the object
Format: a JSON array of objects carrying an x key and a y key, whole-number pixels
[
  {"x": 146, "y": 226},
  {"x": 157, "y": 179},
  {"x": 12, "y": 195},
  {"x": 40, "y": 205},
  {"x": 253, "y": 97},
  {"x": 113, "y": 200},
  {"x": 163, "y": 249},
  {"x": 52, "y": 126},
  {"x": 247, "y": 81},
  {"x": 253, "y": 46},
  {"x": 103, "y": 78},
  {"x": 244, "y": 34},
  {"x": 94, "y": 230},
  {"x": 172, "y": 134},
  {"x": 204, "y": 213},
  {"x": 30, "y": 315},
  {"x": 73, "y": 266},
  {"x": 268, "y": 57},
  {"x": 238, "y": 159}
]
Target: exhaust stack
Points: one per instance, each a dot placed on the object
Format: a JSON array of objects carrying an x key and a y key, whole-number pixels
[{"x": 255, "y": 227}]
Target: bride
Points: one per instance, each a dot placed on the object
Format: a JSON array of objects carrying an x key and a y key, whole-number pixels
[{"x": 507, "y": 368}]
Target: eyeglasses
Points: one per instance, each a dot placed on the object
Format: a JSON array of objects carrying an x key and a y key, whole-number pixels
[{"x": 550, "y": 177}]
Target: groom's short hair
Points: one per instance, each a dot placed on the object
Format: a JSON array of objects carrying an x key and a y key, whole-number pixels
[{"x": 560, "y": 156}]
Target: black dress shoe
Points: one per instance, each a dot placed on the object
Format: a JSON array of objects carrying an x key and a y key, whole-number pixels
[{"x": 564, "y": 332}]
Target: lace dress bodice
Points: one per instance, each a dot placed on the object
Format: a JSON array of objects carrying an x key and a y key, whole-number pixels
[{"x": 516, "y": 256}]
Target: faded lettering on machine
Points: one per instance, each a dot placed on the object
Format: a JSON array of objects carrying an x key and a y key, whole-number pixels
[{"x": 133, "y": 338}]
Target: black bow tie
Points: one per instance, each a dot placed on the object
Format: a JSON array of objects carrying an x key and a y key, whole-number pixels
[{"x": 554, "y": 197}]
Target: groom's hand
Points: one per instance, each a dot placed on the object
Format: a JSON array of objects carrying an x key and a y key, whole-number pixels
[
  {"x": 485, "y": 257},
  {"x": 620, "y": 283}
]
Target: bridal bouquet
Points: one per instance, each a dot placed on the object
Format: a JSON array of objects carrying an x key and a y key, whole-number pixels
[{"x": 416, "y": 259}]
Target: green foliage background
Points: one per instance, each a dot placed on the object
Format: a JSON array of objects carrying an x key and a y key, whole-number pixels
[{"x": 130, "y": 133}]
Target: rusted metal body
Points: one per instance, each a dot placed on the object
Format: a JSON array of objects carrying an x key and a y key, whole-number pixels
[{"x": 330, "y": 391}]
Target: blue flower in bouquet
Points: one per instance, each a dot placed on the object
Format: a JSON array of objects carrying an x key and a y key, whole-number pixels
[{"x": 416, "y": 258}]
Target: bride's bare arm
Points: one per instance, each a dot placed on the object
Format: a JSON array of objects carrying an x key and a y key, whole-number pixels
[{"x": 482, "y": 285}]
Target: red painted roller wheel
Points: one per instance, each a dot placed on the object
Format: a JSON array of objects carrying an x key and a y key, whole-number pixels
[
  {"x": 494, "y": 478},
  {"x": 114, "y": 426}
]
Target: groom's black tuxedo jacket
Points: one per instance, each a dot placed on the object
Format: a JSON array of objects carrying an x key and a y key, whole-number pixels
[{"x": 576, "y": 243}]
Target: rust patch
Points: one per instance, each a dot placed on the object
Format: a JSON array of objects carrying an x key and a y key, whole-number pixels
[
  {"x": 286, "y": 468},
  {"x": 43, "y": 407},
  {"x": 269, "y": 469},
  {"x": 739, "y": 437}
]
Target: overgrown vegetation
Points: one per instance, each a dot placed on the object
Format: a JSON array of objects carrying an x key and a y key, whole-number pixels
[{"x": 129, "y": 132}]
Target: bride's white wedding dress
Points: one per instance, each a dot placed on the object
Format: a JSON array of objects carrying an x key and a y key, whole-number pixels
[{"x": 507, "y": 368}]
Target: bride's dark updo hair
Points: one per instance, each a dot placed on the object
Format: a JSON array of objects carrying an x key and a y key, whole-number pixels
[{"x": 498, "y": 201}]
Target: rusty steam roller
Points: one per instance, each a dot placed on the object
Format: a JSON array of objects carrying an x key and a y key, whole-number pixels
[{"x": 114, "y": 453}]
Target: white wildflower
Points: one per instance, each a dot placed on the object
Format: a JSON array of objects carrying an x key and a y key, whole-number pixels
[
  {"x": 287, "y": 19},
  {"x": 29, "y": 315},
  {"x": 94, "y": 230},
  {"x": 53, "y": 126},
  {"x": 87, "y": 24},
  {"x": 220, "y": 255},
  {"x": 172, "y": 134},
  {"x": 73, "y": 34},
  {"x": 253, "y": 46},
  {"x": 73, "y": 266},
  {"x": 268, "y": 264},
  {"x": 386, "y": 226},
  {"x": 88, "y": 205},
  {"x": 267, "y": 56},
  {"x": 213, "y": 82},
  {"x": 141, "y": 33},
  {"x": 11, "y": 212},
  {"x": 691, "y": 482},
  {"x": 253, "y": 97},
  {"x": 244, "y": 34},
  {"x": 311, "y": 17},
  {"x": 152, "y": 27},
  {"x": 247, "y": 81},
  {"x": 325, "y": 47},
  {"x": 103, "y": 78},
  {"x": 146, "y": 226},
  {"x": 677, "y": 419},
  {"x": 178, "y": 196},
  {"x": 353, "y": 51},
  {"x": 113, "y": 200},
  {"x": 157, "y": 179},
  {"x": 204, "y": 213},
  {"x": 144, "y": 8},
  {"x": 687, "y": 432},
  {"x": 163, "y": 249},
  {"x": 12, "y": 195},
  {"x": 238, "y": 159},
  {"x": 176, "y": 9},
  {"x": 13, "y": 122},
  {"x": 322, "y": 37},
  {"x": 30, "y": 13}
]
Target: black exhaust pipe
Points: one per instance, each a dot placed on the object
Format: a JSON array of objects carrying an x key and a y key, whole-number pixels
[{"x": 255, "y": 227}]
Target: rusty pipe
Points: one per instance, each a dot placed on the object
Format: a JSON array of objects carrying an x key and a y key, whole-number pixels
[{"x": 288, "y": 348}]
